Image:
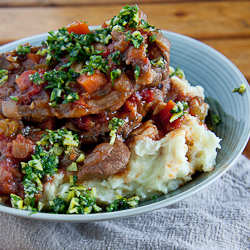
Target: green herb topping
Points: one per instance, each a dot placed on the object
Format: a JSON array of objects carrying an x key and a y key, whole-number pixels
[
  {"x": 80, "y": 200},
  {"x": 103, "y": 35},
  {"x": 60, "y": 137},
  {"x": 178, "y": 72},
  {"x": 114, "y": 124},
  {"x": 23, "y": 49},
  {"x": 42, "y": 163},
  {"x": 216, "y": 119},
  {"x": 152, "y": 38},
  {"x": 59, "y": 82},
  {"x": 59, "y": 206},
  {"x": 74, "y": 47},
  {"x": 178, "y": 110},
  {"x": 36, "y": 78},
  {"x": 135, "y": 38},
  {"x": 116, "y": 57},
  {"x": 14, "y": 98},
  {"x": 128, "y": 15},
  {"x": 159, "y": 62},
  {"x": 241, "y": 89},
  {"x": 136, "y": 71},
  {"x": 115, "y": 74},
  {"x": 123, "y": 203},
  {"x": 3, "y": 76},
  {"x": 16, "y": 201},
  {"x": 154, "y": 197},
  {"x": 95, "y": 62},
  {"x": 146, "y": 26}
]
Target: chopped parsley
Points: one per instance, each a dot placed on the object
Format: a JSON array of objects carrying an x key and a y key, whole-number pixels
[
  {"x": 73, "y": 179},
  {"x": 59, "y": 206},
  {"x": 129, "y": 15},
  {"x": 35, "y": 78},
  {"x": 178, "y": 72},
  {"x": 154, "y": 197},
  {"x": 74, "y": 47},
  {"x": 95, "y": 62},
  {"x": 116, "y": 57},
  {"x": 216, "y": 119},
  {"x": 159, "y": 62},
  {"x": 59, "y": 82},
  {"x": 115, "y": 74},
  {"x": 14, "y": 98},
  {"x": 241, "y": 89},
  {"x": 136, "y": 71},
  {"x": 23, "y": 49},
  {"x": 60, "y": 137},
  {"x": 103, "y": 35},
  {"x": 42, "y": 163},
  {"x": 3, "y": 76},
  {"x": 135, "y": 38},
  {"x": 80, "y": 200},
  {"x": 123, "y": 203},
  {"x": 152, "y": 38},
  {"x": 146, "y": 26},
  {"x": 16, "y": 201},
  {"x": 178, "y": 111},
  {"x": 114, "y": 124},
  {"x": 42, "y": 52}
]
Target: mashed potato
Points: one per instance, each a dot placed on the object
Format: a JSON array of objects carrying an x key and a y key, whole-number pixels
[{"x": 155, "y": 167}]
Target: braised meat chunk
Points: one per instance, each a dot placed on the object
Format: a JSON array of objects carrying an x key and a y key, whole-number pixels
[{"x": 104, "y": 161}]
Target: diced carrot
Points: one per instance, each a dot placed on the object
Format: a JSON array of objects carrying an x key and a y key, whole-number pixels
[
  {"x": 131, "y": 107},
  {"x": 34, "y": 57},
  {"x": 73, "y": 157},
  {"x": 165, "y": 112},
  {"x": 23, "y": 81},
  {"x": 78, "y": 28},
  {"x": 92, "y": 82}
]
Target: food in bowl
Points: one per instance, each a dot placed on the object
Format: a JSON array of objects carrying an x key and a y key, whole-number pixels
[{"x": 96, "y": 120}]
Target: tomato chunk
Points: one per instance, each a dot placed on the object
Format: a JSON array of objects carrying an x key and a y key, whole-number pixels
[
  {"x": 165, "y": 114},
  {"x": 78, "y": 28},
  {"x": 92, "y": 82},
  {"x": 23, "y": 81},
  {"x": 147, "y": 95}
]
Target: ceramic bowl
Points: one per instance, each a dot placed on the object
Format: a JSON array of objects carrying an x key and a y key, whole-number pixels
[{"x": 204, "y": 66}]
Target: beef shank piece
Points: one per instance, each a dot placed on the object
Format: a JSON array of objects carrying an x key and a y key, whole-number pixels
[{"x": 105, "y": 160}]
